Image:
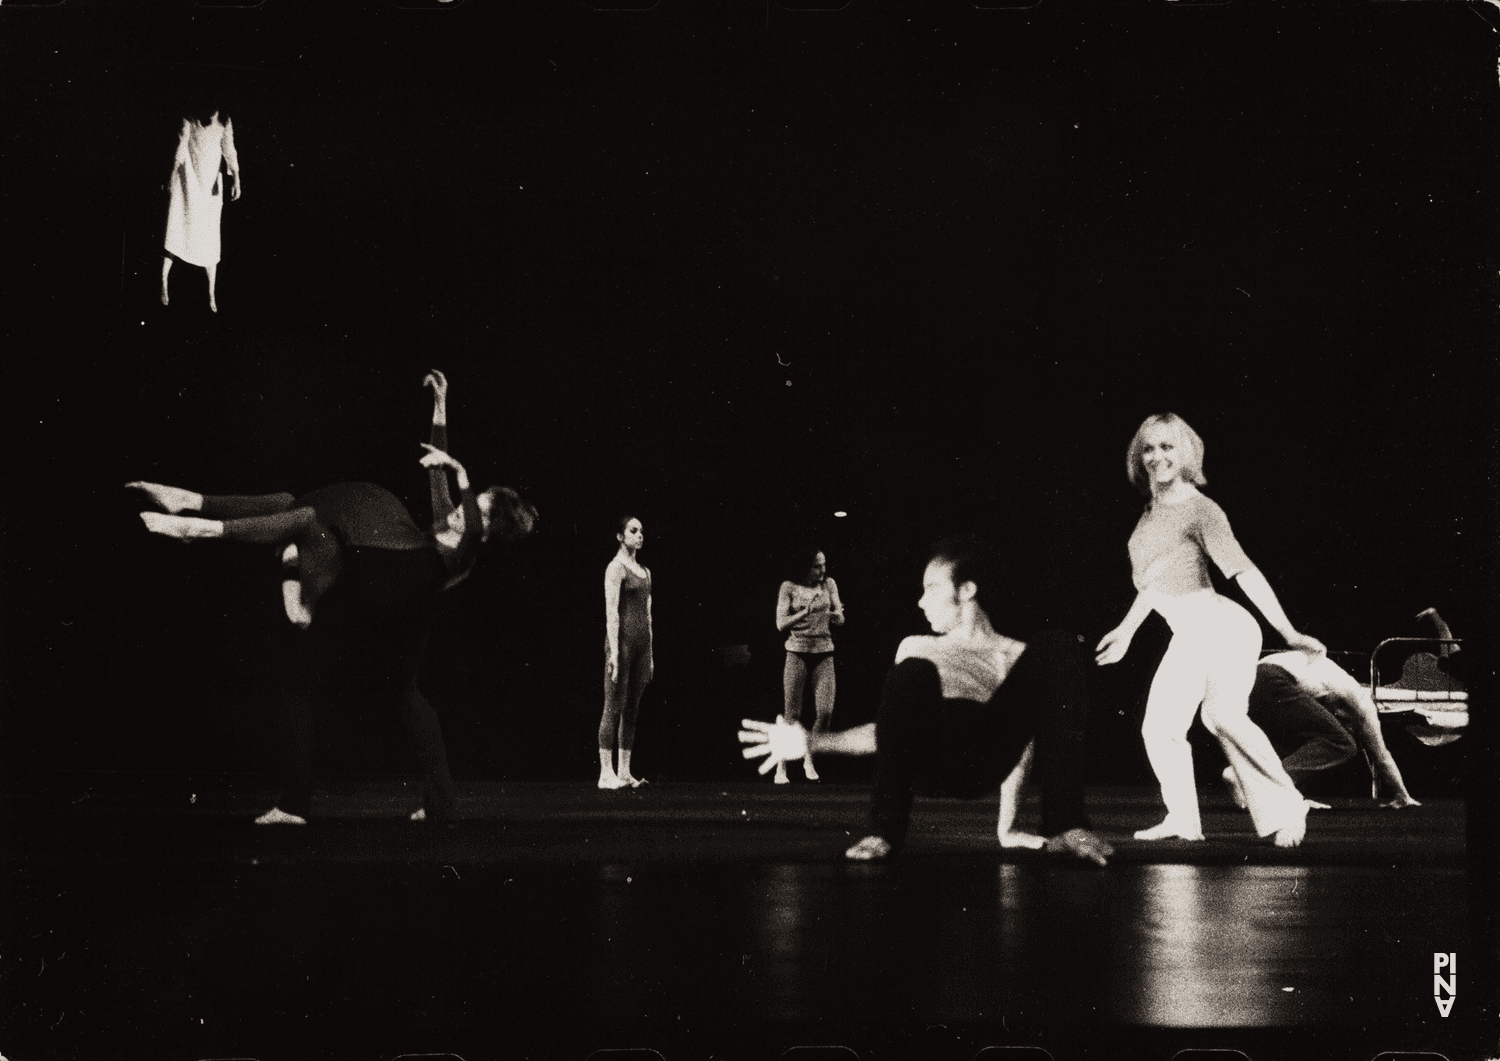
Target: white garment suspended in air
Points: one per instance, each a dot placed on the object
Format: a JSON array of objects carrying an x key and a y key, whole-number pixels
[{"x": 198, "y": 191}]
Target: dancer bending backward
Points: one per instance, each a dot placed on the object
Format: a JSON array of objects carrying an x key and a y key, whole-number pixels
[
  {"x": 389, "y": 574},
  {"x": 1211, "y": 658},
  {"x": 205, "y": 144},
  {"x": 803, "y": 610},
  {"x": 627, "y": 654},
  {"x": 959, "y": 711}
]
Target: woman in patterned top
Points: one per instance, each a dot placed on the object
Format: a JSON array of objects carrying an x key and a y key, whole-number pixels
[
  {"x": 1215, "y": 643},
  {"x": 628, "y": 666},
  {"x": 804, "y": 610}
]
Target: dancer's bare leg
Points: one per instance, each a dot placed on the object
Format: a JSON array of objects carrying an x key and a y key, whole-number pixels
[
  {"x": 213, "y": 273},
  {"x": 824, "y": 687},
  {"x": 607, "y": 776},
  {"x": 166, "y": 267}
]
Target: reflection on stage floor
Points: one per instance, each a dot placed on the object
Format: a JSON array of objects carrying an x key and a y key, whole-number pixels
[{"x": 696, "y": 919}]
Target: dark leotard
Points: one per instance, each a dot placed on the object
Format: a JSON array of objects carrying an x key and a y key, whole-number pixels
[
  {"x": 622, "y": 697},
  {"x": 388, "y": 576}
]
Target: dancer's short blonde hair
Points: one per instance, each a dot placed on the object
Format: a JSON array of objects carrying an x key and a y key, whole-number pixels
[{"x": 1189, "y": 445}]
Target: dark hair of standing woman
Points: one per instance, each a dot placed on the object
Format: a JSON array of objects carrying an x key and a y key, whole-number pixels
[{"x": 800, "y": 563}]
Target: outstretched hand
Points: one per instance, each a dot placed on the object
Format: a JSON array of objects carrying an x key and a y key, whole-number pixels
[
  {"x": 1080, "y": 843},
  {"x": 1308, "y": 646},
  {"x": 1112, "y": 647},
  {"x": 778, "y": 741}
]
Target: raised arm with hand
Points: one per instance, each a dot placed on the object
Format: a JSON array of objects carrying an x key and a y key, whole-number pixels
[
  {"x": 437, "y": 477},
  {"x": 458, "y": 557},
  {"x": 1264, "y": 597}
]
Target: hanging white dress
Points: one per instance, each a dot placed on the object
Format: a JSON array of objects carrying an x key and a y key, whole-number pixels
[{"x": 198, "y": 190}]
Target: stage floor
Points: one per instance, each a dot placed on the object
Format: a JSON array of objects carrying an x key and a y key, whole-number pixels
[{"x": 147, "y": 917}]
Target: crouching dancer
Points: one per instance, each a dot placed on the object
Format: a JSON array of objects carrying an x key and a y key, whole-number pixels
[{"x": 959, "y": 713}]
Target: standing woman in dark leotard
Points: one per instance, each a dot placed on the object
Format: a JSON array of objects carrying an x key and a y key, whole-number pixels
[
  {"x": 1215, "y": 643},
  {"x": 804, "y": 610},
  {"x": 627, "y": 654},
  {"x": 389, "y": 574}
]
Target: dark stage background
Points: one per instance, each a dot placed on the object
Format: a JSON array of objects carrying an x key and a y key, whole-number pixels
[{"x": 731, "y": 268}]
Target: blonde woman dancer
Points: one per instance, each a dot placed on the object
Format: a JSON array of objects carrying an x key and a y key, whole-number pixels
[{"x": 1215, "y": 643}]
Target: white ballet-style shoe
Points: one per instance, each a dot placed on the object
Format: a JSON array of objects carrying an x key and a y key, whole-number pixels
[
  {"x": 781, "y": 778},
  {"x": 184, "y": 528},
  {"x": 1167, "y": 830},
  {"x": 609, "y": 782},
  {"x": 870, "y": 849},
  {"x": 807, "y": 769},
  {"x": 277, "y": 816}
]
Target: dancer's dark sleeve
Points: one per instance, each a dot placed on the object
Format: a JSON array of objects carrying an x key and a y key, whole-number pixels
[
  {"x": 1051, "y": 678},
  {"x": 437, "y": 481},
  {"x": 458, "y": 559}
]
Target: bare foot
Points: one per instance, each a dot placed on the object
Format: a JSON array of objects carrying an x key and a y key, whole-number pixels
[
  {"x": 1168, "y": 830},
  {"x": 277, "y": 816},
  {"x": 870, "y": 849},
  {"x": 807, "y": 769},
  {"x": 183, "y": 527},
  {"x": 1400, "y": 801},
  {"x": 611, "y": 781},
  {"x": 1291, "y": 835},
  {"x": 172, "y": 498},
  {"x": 630, "y": 781},
  {"x": 1236, "y": 790}
]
